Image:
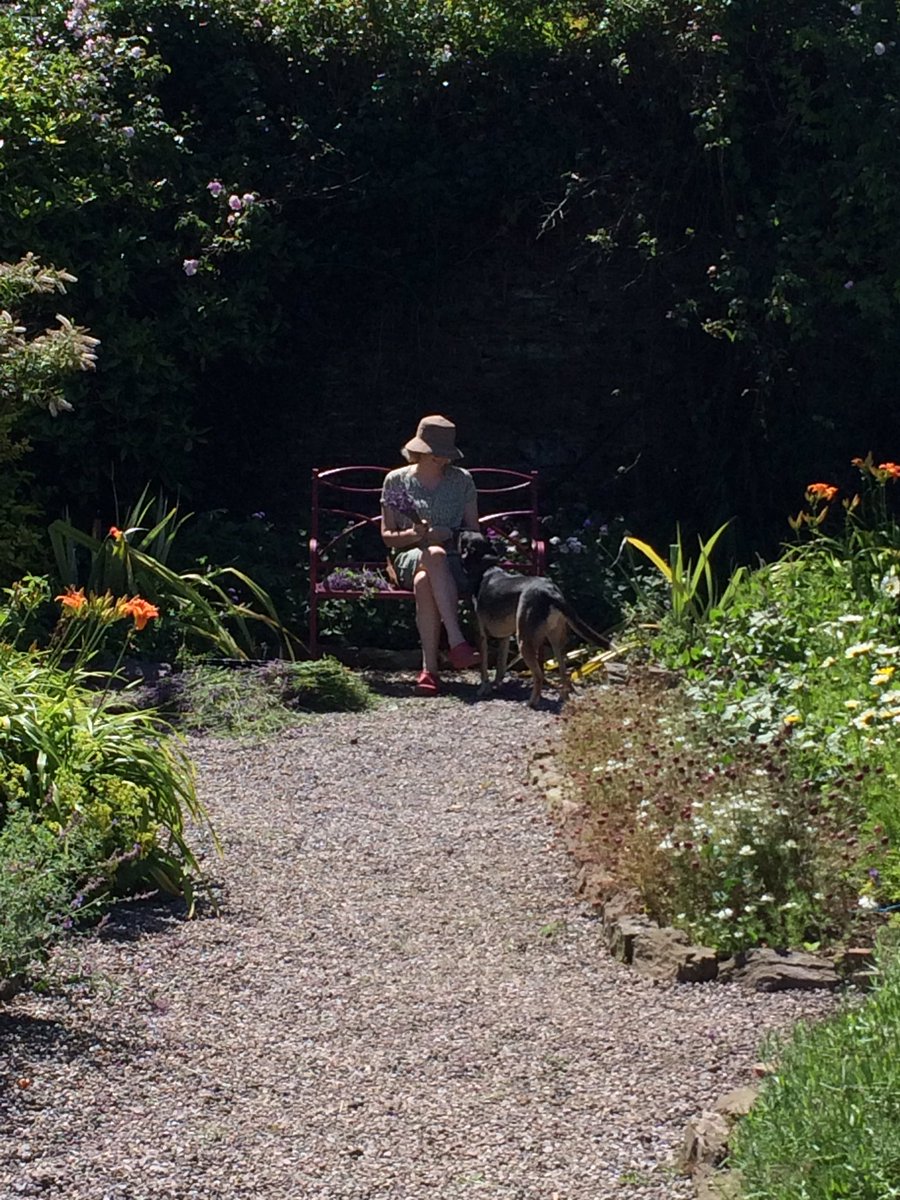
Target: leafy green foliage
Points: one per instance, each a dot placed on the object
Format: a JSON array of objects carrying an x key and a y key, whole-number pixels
[
  {"x": 270, "y": 202},
  {"x": 65, "y": 758},
  {"x": 203, "y": 607},
  {"x": 782, "y": 824},
  {"x": 694, "y": 593},
  {"x": 825, "y": 1124},
  {"x": 32, "y": 370}
]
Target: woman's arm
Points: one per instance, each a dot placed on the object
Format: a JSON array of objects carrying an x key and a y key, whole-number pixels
[
  {"x": 396, "y": 538},
  {"x": 470, "y": 516}
]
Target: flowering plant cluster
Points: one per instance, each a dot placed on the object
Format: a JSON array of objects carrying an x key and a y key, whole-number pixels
[
  {"x": 347, "y": 579},
  {"x": 806, "y": 656},
  {"x": 718, "y": 835},
  {"x": 513, "y": 548}
]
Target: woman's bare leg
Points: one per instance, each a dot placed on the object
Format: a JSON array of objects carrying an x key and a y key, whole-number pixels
[
  {"x": 428, "y": 621},
  {"x": 445, "y": 594}
]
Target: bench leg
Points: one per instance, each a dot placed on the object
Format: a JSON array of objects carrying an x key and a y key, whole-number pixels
[{"x": 313, "y": 626}]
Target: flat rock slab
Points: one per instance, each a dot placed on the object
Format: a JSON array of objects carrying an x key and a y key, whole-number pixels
[{"x": 779, "y": 971}]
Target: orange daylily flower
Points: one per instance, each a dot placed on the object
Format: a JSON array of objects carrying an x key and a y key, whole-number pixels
[
  {"x": 142, "y": 611},
  {"x": 890, "y": 468},
  {"x": 821, "y": 491},
  {"x": 73, "y": 598},
  {"x": 115, "y": 532}
]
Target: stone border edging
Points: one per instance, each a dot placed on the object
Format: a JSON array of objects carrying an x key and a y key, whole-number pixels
[{"x": 663, "y": 953}]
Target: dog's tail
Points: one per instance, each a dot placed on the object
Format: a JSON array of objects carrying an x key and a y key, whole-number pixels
[{"x": 580, "y": 627}]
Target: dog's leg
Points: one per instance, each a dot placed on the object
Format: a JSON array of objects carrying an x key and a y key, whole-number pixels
[
  {"x": 485, "y": 687},
  {"x": 502, "y": 660},
  {"x": 532, "y": 652},
  {"x": 558, "y": 645},
  {"x": 557, "y": 634}
]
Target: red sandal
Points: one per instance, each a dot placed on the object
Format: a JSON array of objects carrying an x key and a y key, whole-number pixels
[
  {"x": 427, "y": 684},
  {"x": 463, "y": 656}
]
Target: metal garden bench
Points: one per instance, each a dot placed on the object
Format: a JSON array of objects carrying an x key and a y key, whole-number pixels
[{"x": 347, "y": 558}]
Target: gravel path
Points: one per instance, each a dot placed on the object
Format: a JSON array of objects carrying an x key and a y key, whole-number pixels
[{"x": 400, "y": 998}]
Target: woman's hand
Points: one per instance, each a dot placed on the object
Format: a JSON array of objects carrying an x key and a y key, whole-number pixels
[{"x": 437, "y": 535}]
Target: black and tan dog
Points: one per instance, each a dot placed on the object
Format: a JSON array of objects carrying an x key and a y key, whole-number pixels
[{"x": 532, "y": 608}]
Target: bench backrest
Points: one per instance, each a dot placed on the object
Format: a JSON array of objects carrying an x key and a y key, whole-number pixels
[{"x": 345, "y": 530}]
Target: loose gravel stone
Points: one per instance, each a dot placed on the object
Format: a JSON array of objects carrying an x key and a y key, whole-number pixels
[{"x": 399, "y": 999}]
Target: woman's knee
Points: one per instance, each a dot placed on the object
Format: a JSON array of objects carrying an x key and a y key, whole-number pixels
[{"x": 433, "y": 556}]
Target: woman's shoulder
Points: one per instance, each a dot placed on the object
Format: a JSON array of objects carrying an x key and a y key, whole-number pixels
[
  {"x": 462, "y": 481},
  {"x": 398, "y": 475}
]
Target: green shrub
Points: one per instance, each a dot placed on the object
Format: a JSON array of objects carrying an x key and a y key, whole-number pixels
[
  {"x": 825, "y": 1124},
  {"x": 324, "y": 685},
  {"x": 47, "y": 883},
  {"x": 65, "y": 757}
]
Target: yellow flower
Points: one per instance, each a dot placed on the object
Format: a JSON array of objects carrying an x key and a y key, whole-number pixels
[{"x": 793, "y": 718}]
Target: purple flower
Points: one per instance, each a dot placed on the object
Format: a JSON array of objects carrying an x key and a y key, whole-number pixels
[
  {"x": 397, "y": 497},
  {"x": 345, "y": 579},
  {"x": 190, "y": 266},
  {"x": 848, "y": 285},
  {"x": 128, "y": 131},
  {"x": 248, "y": 199},
  {"x": 235, "y": 203},
  {"x": 874, "y": 874},
  {"x": 258, "y": 516},
  {"x": 215, "y": 188}
]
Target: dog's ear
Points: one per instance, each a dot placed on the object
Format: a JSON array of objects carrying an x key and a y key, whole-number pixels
[{"x": 472, "y": 544}]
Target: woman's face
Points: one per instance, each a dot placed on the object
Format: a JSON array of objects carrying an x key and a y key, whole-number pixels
[{"x": 438, "y": 460}]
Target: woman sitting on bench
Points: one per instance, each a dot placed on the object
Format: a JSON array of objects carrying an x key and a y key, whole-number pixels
[{"x": 423, "y": 507}]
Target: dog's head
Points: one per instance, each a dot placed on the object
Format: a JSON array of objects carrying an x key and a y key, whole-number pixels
[{"x": 477, "y": 555}]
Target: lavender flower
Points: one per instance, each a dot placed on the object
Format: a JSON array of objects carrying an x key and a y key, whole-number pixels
[
  {"x": 396, "y": 496},
  {"x": 235, "y": 203},
  {"x": 345, "y": 579},
  {"x": 190, "y": 266},
  {"x": 215, "y": 188}
]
